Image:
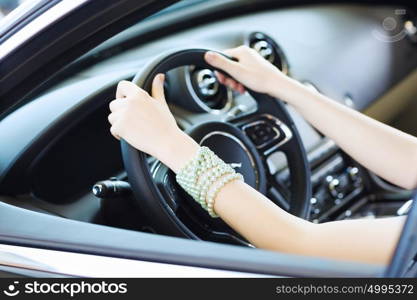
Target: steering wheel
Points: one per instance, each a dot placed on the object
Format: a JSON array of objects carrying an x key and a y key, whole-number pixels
[{"x": 245, "y": 141}]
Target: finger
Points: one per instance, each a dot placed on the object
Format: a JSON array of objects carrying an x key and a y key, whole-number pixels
[
  {"x": 233, "y": 52},
  {"x": 117, "y": 104},
  {"x": 220, "y": 77},
  {"x": 231, "y": 83},
  {"x": 121, "y": 90},
  {"x": 227, "y": 81},
  {"x": 114, "y": 133},
  {"x": 241, "y": 88},
  {"x": 221, "y": 62},
  {"x": 158, "y": 88},
  {"x": 126, "y": 88},
  {"x": 113, "y": 117},
  {"x": 238, "y": 52}
]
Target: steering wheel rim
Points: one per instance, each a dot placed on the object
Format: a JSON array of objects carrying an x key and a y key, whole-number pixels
[{"x": 148, "y": 196}]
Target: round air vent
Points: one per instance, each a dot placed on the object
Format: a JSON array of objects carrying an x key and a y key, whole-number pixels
[
  {"x": 212, "y": 94},
  {"x": 198, "y": 90},
  {"x": 268, "y": 49},
  {"x": 206, "y": 83}
]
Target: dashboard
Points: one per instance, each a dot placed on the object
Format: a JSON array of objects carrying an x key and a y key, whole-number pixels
[{"x": 58, "y": 145}]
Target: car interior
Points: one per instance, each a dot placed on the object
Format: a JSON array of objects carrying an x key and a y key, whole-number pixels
[{"x": 60, "y": 160}]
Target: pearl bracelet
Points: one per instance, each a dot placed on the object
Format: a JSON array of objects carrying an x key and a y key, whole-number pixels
[
  {"x": 221, "y": 182},
  {"x": 203, "y": 177},
  {"x": 208, "y": 178}
]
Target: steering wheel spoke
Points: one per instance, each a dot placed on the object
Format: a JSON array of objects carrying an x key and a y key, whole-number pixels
[
  {"x": 267, "y": 133},
  {"x": 161, "y": 176}
]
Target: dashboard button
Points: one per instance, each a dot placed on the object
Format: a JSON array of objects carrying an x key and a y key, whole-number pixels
[{"x": 261, "y": 133}]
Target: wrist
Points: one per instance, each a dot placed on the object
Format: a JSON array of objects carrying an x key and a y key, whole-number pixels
[
  {"x": 178, "y": 151},
  {"x": 277, "y": 84},
  {"x": 273, "y": 81},
  {"x": 287, "y": 89}
]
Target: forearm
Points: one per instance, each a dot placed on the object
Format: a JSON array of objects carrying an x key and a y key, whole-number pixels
[
  {"x": 367, "y": 240},
  {"x": 267, "y": 226},
  {"x": 388, "y": 152},
  {"x": 246, "y": 210},
  {"x": 260, "y": 221}
]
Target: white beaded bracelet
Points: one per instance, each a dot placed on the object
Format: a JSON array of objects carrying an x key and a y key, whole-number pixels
[
  {"x": 212, "y": 194},
  {"x": 208, "y": 178},
  {"x": 205, "y": 172}
]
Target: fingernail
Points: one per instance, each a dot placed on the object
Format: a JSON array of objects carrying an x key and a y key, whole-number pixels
[
  {"x": 161, "y": 77},
  {"x": 210, "y": 55}
]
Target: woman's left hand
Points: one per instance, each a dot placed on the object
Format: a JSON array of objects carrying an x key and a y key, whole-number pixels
[{"x": 147, "y": 124}]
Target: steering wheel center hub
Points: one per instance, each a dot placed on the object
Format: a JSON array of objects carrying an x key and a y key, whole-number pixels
[{"x": 231, "y": 146}]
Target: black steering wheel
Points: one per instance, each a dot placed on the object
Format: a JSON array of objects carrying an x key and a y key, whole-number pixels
[{"x": 244, "y": 141}]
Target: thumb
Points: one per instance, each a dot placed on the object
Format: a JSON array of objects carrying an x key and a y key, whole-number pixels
[
  {"x": 158, "y": 87},
  {"x": 221, "y": 62}
]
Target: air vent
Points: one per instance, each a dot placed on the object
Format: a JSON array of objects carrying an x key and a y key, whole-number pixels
[
  {"x": 198, "y": 90},
  {"x": 213, "y": 95},
  {"x": 268, "y": 48}
]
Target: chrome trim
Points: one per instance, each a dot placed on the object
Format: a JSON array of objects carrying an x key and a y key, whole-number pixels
[
  {"x": 239, "y": 142},
  {"x": 265, "y": 49},
  {"x": 229, "y": 95},
  {"x": 322, "y": 171},
  {"x": 411, "y": 30},
  {"x": 405, "y": 208},
  {"x": 35, "y": 26},
  {"x": 87, "y": 265},
  {"x": 207, "y": 82},
  {"x": 236, "y": 165},
  {"x": 285, "y": 129}
]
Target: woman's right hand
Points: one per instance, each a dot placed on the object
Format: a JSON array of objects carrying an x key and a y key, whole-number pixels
[{"x": 251, "y": 70}]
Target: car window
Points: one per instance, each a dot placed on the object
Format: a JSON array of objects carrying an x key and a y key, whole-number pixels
[
  {"x": 6, "y": 6},
  {"x": 118, "y": 42},
  {"x": 13, "y": 12}
]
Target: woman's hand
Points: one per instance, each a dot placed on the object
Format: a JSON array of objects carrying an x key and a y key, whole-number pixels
[
  {"x": 251, "y": 70},
  {"x": 147, "y": 124}
]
